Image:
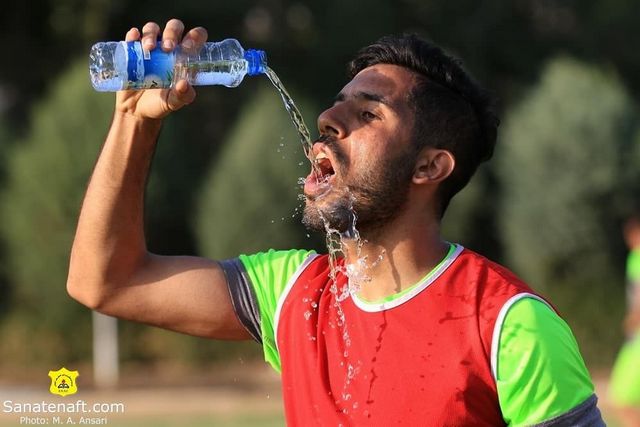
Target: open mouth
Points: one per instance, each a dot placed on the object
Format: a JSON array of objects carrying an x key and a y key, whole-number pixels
[
  {"x": 321, "y": 177},
  {"x": 323, "y": 166}
]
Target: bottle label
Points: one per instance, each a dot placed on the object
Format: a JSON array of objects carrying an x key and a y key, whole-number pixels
[{"x": 153, "y": 73}]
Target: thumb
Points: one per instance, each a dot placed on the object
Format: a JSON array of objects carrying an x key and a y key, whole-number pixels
[{"x": 180, "y": 95}]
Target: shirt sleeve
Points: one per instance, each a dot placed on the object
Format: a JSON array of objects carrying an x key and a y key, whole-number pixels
[
  {"x": 633, "y": 267},
  {"x": 541, "y": 376},
  {"x": 256, "y": 283}
]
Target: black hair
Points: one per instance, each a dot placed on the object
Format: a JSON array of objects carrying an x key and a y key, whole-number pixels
[{"x": 452, "y": 111}]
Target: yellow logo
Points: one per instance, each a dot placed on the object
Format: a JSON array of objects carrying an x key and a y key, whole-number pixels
[{"x": 63, "y": 382}]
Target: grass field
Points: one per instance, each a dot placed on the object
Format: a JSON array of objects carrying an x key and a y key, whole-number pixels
[
  {"x": 164, "y": 407},
  {"x": 254, "y": 401},
  {"x": 229, "y": 397},
  {"x": 228, "y": 420}
]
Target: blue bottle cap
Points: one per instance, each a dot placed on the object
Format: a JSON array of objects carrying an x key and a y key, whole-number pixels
[{"x": 257, "y": 60}]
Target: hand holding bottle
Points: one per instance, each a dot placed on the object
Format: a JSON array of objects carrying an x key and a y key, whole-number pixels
[{"x": 156, "y": 104}]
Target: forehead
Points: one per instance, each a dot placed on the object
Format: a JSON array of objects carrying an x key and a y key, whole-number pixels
[{"x": 392, "y": 82}]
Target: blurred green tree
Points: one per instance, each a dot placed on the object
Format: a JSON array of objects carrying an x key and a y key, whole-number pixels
[
  {"x": 569, "y": 167},
  {"x": 474, "y": 205},
  {"x": 249, "y": 199},
  {"x": 46, "y": 175}
]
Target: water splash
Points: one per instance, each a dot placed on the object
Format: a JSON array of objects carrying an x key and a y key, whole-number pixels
[{"x": 357, "y": 271}]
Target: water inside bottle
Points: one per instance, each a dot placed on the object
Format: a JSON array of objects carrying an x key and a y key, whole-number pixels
[{"x": 205, "y": 73}]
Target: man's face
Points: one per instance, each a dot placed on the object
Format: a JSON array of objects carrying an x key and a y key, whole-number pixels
[{"x": 365, "y": 153}]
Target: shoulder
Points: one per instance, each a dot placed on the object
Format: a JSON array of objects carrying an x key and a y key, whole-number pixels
[
  {"x": 478, "y": 263},
  {"x": 537, "y": 365},
  {"x": 489, "y": 279}
]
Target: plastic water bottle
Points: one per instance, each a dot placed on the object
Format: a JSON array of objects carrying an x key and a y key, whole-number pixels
[{"x": 125, "y": 65}]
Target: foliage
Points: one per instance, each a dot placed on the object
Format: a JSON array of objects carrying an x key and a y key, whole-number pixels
[
  {"x": 570, "y": 163},
  {"x": 249, "y": 200},
  {"x": 474, "y": 205},
  {"x": 47, "y": 172},
  {"x": 570, "y": 168}
]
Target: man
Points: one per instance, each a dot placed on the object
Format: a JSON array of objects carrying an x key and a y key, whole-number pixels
[
  {"x": 405, "y": 327},
  {"x": 625, "y": 376}
]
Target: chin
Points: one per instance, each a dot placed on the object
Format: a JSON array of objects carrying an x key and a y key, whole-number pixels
[{"x": 338, "y": 217}]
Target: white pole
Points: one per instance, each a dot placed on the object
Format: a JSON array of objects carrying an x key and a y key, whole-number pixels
[{"x": 105, "y": 350}]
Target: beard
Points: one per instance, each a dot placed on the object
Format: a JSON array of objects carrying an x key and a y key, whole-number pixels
[{"x": 371, "y": 199}]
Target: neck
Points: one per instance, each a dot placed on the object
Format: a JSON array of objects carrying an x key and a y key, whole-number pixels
[{"x": 395, "y": 258}]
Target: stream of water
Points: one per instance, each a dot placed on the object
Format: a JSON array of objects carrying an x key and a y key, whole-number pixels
[{"x": 335, "y": 241}]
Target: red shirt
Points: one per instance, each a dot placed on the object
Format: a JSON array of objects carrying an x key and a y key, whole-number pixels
[{"x": 422, "y": 359}]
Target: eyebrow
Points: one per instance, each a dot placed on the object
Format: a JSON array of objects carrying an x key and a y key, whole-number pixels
[{"x": 368, "y": 96}]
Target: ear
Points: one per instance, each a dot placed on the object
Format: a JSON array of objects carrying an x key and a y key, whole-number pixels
[{"x": 433, "y": 166}]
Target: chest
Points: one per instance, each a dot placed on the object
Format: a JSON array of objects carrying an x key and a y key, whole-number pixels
[{"x": 419, "y": 357}]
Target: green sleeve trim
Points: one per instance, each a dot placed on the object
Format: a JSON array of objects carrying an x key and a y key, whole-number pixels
[
  {"x": 540, "y": 372},
  {"x": 633, "y": 267},
  {"x": 269, "y": 273}
]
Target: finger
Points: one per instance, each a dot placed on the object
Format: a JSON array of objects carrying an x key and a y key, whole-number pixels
[
  {"x": 180, "y": 95},
  {"x": 172, "y": 34},
  {"x": 132, "y": 35},
  {"x": 194, "y": 39},
  {"x": 150, "y": 33}
]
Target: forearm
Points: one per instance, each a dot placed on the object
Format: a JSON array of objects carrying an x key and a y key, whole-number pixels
[{"x": 109, "y": 244}]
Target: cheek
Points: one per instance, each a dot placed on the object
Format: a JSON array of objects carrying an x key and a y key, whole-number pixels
[
  {"x": 364, "y": 172},
  {"x": 368, "y": 148},
  {"x": 368, "y": 151}
]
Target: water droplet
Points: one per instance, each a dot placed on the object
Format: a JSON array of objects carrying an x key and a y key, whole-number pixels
[
  {"x": 351, "y": 372},
  {"x": 307, "y": 315}
]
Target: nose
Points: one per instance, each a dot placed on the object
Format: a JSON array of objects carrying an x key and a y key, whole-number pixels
[{"x": 329, "y": 123}]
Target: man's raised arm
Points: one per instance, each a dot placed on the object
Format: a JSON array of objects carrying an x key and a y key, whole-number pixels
[{"x": 111, "y": 270}]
